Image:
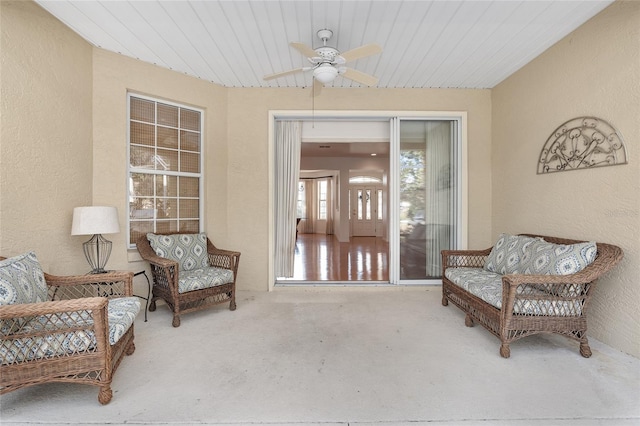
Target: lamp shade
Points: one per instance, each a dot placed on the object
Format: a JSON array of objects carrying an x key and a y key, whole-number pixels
[{"x": 95, "y": 220}]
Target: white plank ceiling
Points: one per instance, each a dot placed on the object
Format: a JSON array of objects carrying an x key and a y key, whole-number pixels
[{"x": 438, "y": 44}]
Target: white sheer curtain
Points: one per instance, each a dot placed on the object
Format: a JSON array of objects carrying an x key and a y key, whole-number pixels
[
  {"x": 330, "y": 204},
  {"x": 307, "y": 223},
  {"x": 438, "y": 214},
  {"x": 287, "y": 170}
]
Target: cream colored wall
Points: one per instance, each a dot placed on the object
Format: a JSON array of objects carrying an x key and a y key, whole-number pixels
[
  {"x": 248, "y": 157},
  {"x": 45, "y": 139},
  {"x": 113, "y": 76},
  {"x": 594, "y": 71}
]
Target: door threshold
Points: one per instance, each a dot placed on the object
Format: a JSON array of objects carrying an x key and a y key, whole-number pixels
[{"x": 300, "y": 283}]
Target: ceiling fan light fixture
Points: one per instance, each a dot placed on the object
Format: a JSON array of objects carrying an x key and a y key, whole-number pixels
[{"x": 325, "y": 73}]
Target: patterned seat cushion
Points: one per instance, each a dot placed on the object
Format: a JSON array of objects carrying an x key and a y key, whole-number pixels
[
  {"x": 203, "y": 278},
  {"x": 488, "y": 287},
  {"x": 121, "y": 313},
  {"x": 189, "y": 250},
  {"x": 481, "y": 283},
  {"x": 21, "y": 281}
]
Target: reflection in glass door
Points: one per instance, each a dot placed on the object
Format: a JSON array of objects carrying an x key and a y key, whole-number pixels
[{"x": 426, "y": 196}]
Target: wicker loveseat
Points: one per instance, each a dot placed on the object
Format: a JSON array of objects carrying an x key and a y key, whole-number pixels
[
  {"x": 527, "y": 284},
  {"x": 63, "y": 328},
  {"x": 189, "y": 272}
]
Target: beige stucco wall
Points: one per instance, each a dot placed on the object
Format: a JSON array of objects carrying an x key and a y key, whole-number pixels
[
  {"x": 595, "y": 71},
  {"x": 45, "y": 139},
  {"x": 248, "y": 111}
]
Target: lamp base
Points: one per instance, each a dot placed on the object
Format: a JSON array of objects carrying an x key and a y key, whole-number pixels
[{"x": 97, "y": 251}]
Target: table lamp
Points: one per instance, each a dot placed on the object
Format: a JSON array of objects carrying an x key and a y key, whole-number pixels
[{"x": 96, "y": 220}]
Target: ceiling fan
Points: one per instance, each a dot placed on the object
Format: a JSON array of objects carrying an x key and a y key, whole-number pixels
[{"x": 327, "y": 62}]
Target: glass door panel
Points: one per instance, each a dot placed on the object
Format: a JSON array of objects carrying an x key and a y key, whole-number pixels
[{"x": 426, "y": 199}]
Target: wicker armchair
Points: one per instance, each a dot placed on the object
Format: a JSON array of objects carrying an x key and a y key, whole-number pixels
[
  {"x": 80, "y": 334},
  {"x": 190, "y": 289}
]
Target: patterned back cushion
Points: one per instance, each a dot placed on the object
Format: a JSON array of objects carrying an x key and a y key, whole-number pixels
[
  {"x": 21, "y": 281},
  {"x": 559, "y": 259},
  {"x": 507, "y": 254},
  {"x": 189, "y": 250}
]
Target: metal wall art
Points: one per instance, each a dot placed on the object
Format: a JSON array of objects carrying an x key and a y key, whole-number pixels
[{"x": 582, "y": 143}]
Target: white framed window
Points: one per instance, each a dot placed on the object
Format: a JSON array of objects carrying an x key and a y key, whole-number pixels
[
  {"x": 322, "y": 200},
  {"x": 364, "y": 179},
  {"x": 165, "y": 178},
  {"x": 301, "y": 208}
]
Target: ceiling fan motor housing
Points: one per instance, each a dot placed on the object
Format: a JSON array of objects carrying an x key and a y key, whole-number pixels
[{"x": 327, "y": 54}]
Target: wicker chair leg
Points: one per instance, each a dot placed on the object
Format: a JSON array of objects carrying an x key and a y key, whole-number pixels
[
  {"x": 585, "y": 350},
  {"x": 176, "y": 320},
  {"x": 105, "y": 394},
  {"x": 130, "y": 349},
  {"x": 505, "y": 351},
  {"x": 468, "y": 321},
  {"x": 152, "y": 305},
  {"x": 445, "y": 301},
  {"x": 232, "y": 305}
]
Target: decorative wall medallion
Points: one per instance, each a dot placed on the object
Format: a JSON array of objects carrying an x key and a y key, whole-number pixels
[{"x": 582, "y": 143}]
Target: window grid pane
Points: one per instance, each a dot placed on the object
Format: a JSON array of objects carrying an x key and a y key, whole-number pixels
[
  {"x": 189, "y": 187},
  {"x": 167, "y": 138},
  {"x": 163, "y": 137}
]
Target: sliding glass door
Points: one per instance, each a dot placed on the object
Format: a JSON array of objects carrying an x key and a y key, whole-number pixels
[
  {"x": 427, "y": 208},
  {"x": 420, "y": 205}
]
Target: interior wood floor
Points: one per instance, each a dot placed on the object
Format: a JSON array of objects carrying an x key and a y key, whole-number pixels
[{"x": 320, "y": 257}]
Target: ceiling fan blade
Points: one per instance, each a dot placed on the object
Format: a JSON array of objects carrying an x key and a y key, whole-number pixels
[
  {"x": 361, "y": 52},
  {"x": 304, "y": 49},
  {"x": 282, "y": 74},
  {"x": 317, "y": 87},
  {"x": 359, "y": 77}
]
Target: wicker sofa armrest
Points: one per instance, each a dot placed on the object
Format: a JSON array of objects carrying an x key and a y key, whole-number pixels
[
  {"x": 570, "y": 292},
  {"x": 52, "y": 307},
  {"x": 63, "y": 318},
  {"x": 464, "y": 258},
  {"x": 109, "y": 285}
]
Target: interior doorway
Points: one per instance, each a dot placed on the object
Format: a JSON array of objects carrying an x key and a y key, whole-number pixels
[
  {"x": 366, "y": 210},
  {"x": 339, "y": 161}
]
